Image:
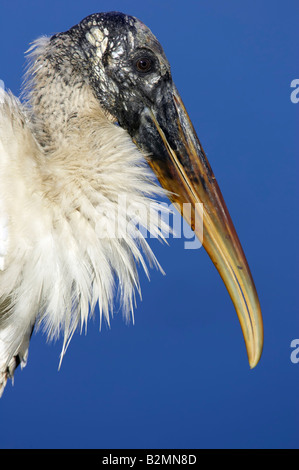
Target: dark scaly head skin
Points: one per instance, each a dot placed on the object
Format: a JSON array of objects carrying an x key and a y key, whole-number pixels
[{"x": 125, "y": 65}]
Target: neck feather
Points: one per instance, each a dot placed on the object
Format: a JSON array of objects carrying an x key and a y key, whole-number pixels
[{"x": 95, "y": 191}]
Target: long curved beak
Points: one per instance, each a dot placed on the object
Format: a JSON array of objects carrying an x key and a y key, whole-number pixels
[{"x": 183, "y": 169}]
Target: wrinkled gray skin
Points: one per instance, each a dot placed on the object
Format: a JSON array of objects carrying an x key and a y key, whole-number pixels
[{"x": 104, "y": 49}]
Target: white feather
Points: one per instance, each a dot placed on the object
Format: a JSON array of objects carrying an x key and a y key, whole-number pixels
[{"x": 60, "y": 173}]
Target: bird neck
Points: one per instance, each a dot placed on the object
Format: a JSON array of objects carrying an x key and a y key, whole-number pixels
[
  {"x": 57, "y": 113},
  {"x": 58, "y": 93}
]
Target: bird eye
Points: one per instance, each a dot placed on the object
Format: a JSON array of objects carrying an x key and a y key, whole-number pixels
[{"x": 144, "y": 64}]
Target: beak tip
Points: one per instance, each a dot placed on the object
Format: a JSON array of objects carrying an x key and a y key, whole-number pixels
[
  {"x": 254, "y": 359},
  {"x": 253, "y": 363}
]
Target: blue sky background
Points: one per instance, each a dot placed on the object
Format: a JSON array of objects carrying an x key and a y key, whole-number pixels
[{"x": 179, "y": 378}]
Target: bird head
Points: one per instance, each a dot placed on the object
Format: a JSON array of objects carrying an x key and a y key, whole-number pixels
[{"x": 127, "y": 69}]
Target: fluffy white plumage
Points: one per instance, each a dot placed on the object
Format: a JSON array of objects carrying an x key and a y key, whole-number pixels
[{"x": 63, "y": 178}]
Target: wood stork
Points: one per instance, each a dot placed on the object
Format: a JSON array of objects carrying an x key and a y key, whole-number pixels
[{"x": 64, "y": 163}]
